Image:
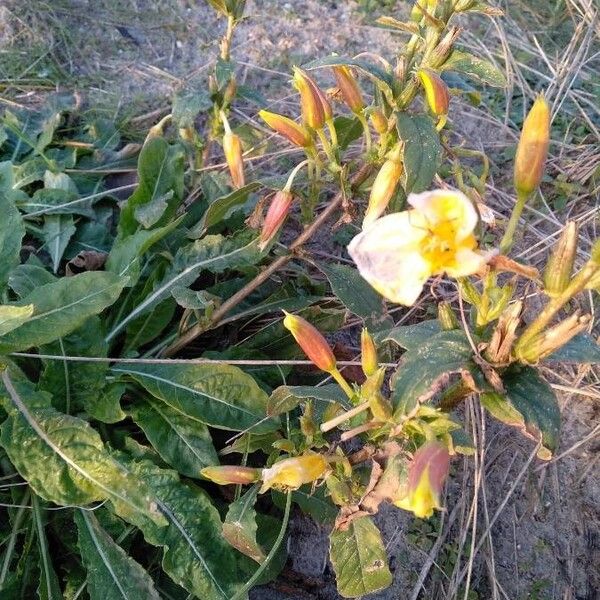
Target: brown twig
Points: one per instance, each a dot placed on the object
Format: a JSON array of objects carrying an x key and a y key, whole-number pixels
[{"x": 192, "y": 333}]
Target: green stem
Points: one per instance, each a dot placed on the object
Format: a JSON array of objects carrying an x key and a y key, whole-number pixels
[
  {"x": 508, "y": 239},
  {"x": 251, "y": 582},
  {"x": 365, "y": 125},
  {"x": 342, "y": 383}
]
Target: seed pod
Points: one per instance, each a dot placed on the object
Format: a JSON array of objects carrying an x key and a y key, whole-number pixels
[
  {"x": 384, "y": 186},
  {"x": 446, "y": 317},
  {"x": 349, "y": 88},
  {"x": 436, "y": 91},
  {"x": 225, "y": 475},
  {"x": 533, "y": 148},
  {"x": 316, "y": 109},
  {"x": 312, "y": 342},
  {"x": 297, "y": 134},
  {"x": 443, "y": 49},
  {"x": 380, "y": 407},
  {"x": 380, "y": 123},
  {"x": 368, "y": 354},
  {"x": 276, "y": 215},
  {"x": 232, "y": 146},
  {"x": 560, "y": 265}
]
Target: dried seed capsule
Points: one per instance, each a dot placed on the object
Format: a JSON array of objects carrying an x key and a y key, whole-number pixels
[
  {"x": 560, "y": 265},
  {"x": 295, "y": 133},
  {"x": 349, "y": 88}
]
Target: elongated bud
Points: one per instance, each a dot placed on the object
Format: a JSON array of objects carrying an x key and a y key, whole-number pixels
[
  {"x": 349, "y": 88},
  {"x": 276, "y": 215},
  {"x": 381, "y": 409},
  {"x": 291, "y": 473},
  {"x": 547, "y": 342},
  {"x": 297, "y": 134},
  {"x": 560, "y": 265},
  {"x": 230, "y": 92},
  {"x": 225, "y": 475},
  {"x": 427, "y": 474},
  {"x": 312, "y": 342},
  {"x": 316, "y": 109},
  {"x": 232, "y": 146},
  {"x": 384, "y": 186},
  {"x": 436, "y": 91},
  {"x": 368, "y": 354},
  {"x": 380, "y": 123},
  {"x": 446, "y": 317},
  {"x": 533, "y": 147}
]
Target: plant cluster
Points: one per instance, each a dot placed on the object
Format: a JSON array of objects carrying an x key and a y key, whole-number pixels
[{"x": 143, "y": 344}]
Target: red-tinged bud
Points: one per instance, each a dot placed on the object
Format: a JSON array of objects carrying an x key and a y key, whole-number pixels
[
  {"x": 380, "y": 123},
  {"x": 436, "y": 91},
  {"x": 312, "y": 342},
  {"x": 368, "y": 354},
  {"x": 232, "y": 146},
  {"x": 297, "y": 134},
  {"x": 276, "y": 215},
  {"x": 533, "y": 148},
  {"x": 349, "y": 88},
  {"x": 559, "y": 269},
  {"x": 384, "y": 186},
  {"x": 316, "y": 109},
  {"x": 427, "y": 474},
  {"x": 225, "y": 475},
  {"x": 291, "y": 473}
]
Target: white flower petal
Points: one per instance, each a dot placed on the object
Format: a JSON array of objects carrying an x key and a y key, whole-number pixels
[{"x": 467, "y": 262}]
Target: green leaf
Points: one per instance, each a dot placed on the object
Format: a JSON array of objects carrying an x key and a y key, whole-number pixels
[
  {"x": 219, "y": 395},
  {"x": 348, "y": 129},
  {"x": 530, "y": 405},
  {"x": 422, "y": 153},
  {"x": 24, "y": 279},
  {"x": 195, "y": 554},
  {"x": 222, "y": 208},
  {"x": 112, "y": 575},
  {"x": 359, "y": 559},
  {"x": 61, "y": 457},
  {"x": 312, "y": 502},
  {"x": 424, "y": 365},
  {"x": 12, "y": 231},
  {"x": 410, "y": 336},
  {"x": 49, "y": 588},
  {"x": 12, "y": 317},
  {"x": 57, "y": 232},
  {"x": 182, "y": 442},
  {"x": 357, "y": 295},
  {"x": 583, "y": 348},
  {"x": 240, "y": 527},
  {"x": 476, "y": 68},
  {"x": 286, "y": 398},
  {"x": 160, "y": 174},
  {"x": 61, "y": 307},
  {"x": 188, "y": 102}
]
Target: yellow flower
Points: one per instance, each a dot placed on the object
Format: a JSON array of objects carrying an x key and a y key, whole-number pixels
[
  {"x": 397, "y": 253},
  {"x": 426, "y": 476},
  {"x": 291, "y": 473}
]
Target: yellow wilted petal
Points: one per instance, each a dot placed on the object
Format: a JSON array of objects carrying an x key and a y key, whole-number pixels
[{"x": 291, "y": 473}]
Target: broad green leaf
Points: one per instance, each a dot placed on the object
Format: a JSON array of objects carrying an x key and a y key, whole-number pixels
[
  {"x": 195, "y": 554},
  {"x": 348, "y": 129},
  {"x": 286, "y": 398},
  {"x": 530, "y": 405},
  {"x": 410, "y": 337},
  {"x": 222, "y": 208},
  {"x": 213, "y": 253},
  {"x": 61, "y": 307},
  {"x": 196, "y": 300},
  {"x": 357, "y": 295},
  {"x": 57, "y": 232},
  {"x": 312, "y": 502},
  {"x": 12, "y": 317},
  {"x": 583, "y": 348},
  {"x": 219, "y": 395},
  {"x": 240, "y": 527},
  {"x": 476, "y": 68},
  {"x": 107, "y": 407},
  {"x": 359, "y": 559},
  {"x": 61, "y": 457},
  {"x": 423, "y": 366},
  {"x": 25, "y": 278},
  {"x": 112, "y": 575},
  {"x": 188, "y": 102},
  {"x": 422, "y": 152},
  {"x": 12, "y": 231},
  {"x": 160, "y": 173},
  {"x": 182, "y": 442},
  {"x": 49, "y": 588},
  {"x": 150, "y": 325}
]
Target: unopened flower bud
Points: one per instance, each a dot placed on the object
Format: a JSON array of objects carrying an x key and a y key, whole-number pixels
[
  {"x": 560, "y": 265},
  {"x": 380, "y": 123},
  {"x": 225, "y": 475},
  {"x": 427, "y": 474},
  {"x": 295, "y": 133},
  {"x": 230, "y": 92},
  {"x": 312, "y": 342},
  {"x": 446, "y": 317},
  {"x": 349, "y": 88},
  {"x": 436, "y": 91},
  {"x": 291, "y": 473},
  {"x": 533, "y": 148},
  {"x": 232, "y": 146},
  {"x": 368, "y": 354},
  {"x": 316, "y": 109},
  {"x": 276, "y": 215},
  {"x": 384, "y": 186}
]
